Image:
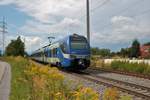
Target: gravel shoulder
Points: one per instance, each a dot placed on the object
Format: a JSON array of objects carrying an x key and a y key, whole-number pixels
[
  {"x": 124, "y": 78},
  {"x": 100, "y": 88},
  {"x": 5, "y": 81}
]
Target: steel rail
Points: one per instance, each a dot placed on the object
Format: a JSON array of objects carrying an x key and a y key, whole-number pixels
[{"x": 139, "y": 75}]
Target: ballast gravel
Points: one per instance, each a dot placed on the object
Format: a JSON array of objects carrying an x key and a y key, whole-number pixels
[
  {"x": 124, "y": 78},
  {"x": 75, "y": 80}
]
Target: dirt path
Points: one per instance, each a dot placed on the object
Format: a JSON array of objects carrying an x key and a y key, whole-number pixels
[{"x": 5, "y": 81}]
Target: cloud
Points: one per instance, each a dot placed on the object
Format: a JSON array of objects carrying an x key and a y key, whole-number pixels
[
  {"x": 48, "y": 16},
  {"x": 121, "y": 20},
  {"x": 48, "y": 10},
  {"x": 6, "y": 2},
  {"x": 62, "y": 17},
  {"x": 123, "y": 30},
  {"x": 64, "y": 26},
  {"x": 32, "y": 43}
]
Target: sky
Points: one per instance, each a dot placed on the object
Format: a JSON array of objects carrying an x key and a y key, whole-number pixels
[{"x": 114, "y": 23}]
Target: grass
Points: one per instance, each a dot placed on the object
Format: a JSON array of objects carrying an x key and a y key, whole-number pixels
[
  {"x": 141, "y": 68},
  {"x": 19, "y": 89},
  {"x": 131, "y": 67},
  {"x": 33, "y": 82}
]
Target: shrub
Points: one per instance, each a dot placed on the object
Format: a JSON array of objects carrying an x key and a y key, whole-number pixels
[
  {"x": 111, "y": 94},
  {"x": 125, "y": 98},
  {"x": 130, "y": 67},
  {"x": 48, "y": 83}
]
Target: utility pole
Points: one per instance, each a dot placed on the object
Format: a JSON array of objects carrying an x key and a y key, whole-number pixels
[
  {"x": 3, "y": 34},
  {"x": 88, "y": 20}
]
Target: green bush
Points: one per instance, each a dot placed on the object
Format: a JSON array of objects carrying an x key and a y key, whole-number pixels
[{"x": 125, "y": 98}]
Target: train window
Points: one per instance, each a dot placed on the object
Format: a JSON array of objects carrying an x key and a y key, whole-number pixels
[
  {"x": 54, "y": 52},
  {"x": 79, "y": 43},
  {"x": 63, "y": 47},
  {"x": 46, "y": 53},
  {"x": 49, "y": 53}
]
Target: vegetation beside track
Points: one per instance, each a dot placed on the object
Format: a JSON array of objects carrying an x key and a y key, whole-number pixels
[
  {"x": 35, "y": 82},
  {"x": 131, "y": 67},
  {"x": 141, "y": 68}
]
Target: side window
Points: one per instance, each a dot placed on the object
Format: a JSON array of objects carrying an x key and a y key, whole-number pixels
[
  {"x": 53, "y": 52},
  {"x": 46, "y": 53},
  {"x": 49, "y": 53},
  {"x": 63, "y": 47}
]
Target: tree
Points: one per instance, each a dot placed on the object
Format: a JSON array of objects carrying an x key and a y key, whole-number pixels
[
  {"x": 15, "y": 48},
  {"x": 135, "y": 49},
  {"x": 146, "y": 44},
  {"x": 125, "y": 52},
  {"x": 102, "y": 52},
  {"x": 95, "y": 51}
]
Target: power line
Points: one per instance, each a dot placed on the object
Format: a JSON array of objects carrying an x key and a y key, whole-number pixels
[
  {"x": 120, "y": 12},
  {"x": 125, "y": 9},
  {"x": 141, "y": 14},
  {"x": 100, "y": 5},
  {"x": 93, "y": 9}
]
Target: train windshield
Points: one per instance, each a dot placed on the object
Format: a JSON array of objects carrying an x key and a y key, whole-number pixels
[{"x": 79, "y": 43}]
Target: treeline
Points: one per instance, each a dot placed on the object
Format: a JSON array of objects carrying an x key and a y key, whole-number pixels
[
  {"x": 102, "y": 52},
  {"x": 131, "y": 52}
]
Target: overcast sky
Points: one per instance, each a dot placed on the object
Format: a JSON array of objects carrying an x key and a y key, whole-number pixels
[{"x": 114, "y": 23}]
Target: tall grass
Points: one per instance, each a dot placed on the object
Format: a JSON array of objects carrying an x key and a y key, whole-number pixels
[
  {"x": 19, "y": 89},
  {"x": 35, "y": 82},
  {"x": 48, "y": 84},
  {"x": 131, "y": 67},
  {"x": 141, "y": 68}
]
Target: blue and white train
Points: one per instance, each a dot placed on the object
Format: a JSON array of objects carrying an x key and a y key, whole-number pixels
[{"x": 72, "y": 52}]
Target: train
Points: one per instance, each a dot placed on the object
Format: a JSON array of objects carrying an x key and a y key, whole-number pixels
[{"x": 71, "y": 52}]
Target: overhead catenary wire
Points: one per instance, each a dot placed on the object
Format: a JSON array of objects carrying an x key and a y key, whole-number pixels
[
  {"x": 138, "y": 15},
  {"x": 93, "y": 9},
  {"x": 125, "y": 9},
  {"x": 100, "y": 5},
  {"x": 121, "y": 11}
]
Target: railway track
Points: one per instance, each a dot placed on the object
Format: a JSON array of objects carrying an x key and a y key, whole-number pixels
[
  {"x": 123, "y": 72},
  {"x": 133, "y": 89}
]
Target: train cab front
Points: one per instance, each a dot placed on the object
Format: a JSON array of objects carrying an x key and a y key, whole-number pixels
[
  {"x": 80, "y": 62},
  {"x": 79, "y": 52}
]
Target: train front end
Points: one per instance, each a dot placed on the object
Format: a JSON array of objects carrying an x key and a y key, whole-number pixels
[{"x": 79, "y": 52}]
